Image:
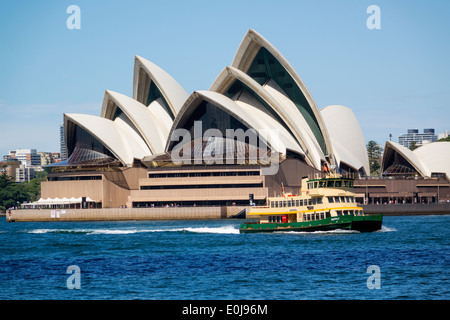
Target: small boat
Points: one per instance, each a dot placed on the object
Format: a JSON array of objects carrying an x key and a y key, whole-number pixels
[{"x": 325, "y": 202}]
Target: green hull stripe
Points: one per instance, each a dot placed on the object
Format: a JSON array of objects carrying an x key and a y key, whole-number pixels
[{"x": 363, "y": 223}]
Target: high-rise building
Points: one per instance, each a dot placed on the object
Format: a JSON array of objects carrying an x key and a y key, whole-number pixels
[
  {"x": 24, "y": 173},
  {"x": 427, "y": 136},
  {"x": 62, "y": 143}
]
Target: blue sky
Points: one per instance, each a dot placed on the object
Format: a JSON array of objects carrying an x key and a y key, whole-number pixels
[{"x": 393, "y": 79}]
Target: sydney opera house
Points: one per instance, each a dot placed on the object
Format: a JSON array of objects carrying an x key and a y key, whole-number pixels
[{"x": 257, "y": 130}]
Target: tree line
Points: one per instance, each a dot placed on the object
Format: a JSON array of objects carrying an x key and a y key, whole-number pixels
[{"x": 12, "y": 193}]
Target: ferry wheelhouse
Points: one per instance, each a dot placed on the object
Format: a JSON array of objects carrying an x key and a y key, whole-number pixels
[{"x": 325, "y": 202}]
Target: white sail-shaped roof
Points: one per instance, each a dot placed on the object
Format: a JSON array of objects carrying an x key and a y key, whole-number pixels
[
  {"x": 172, "y": 92},
  {"x": 346, "y": 136},
  {"x": 113, "y": 135},
  {"x": 153, "y": 124},
  {"x": 290, "y": 116},
  {"x": 436, "y": 157},
  {"x": 392, "y": 147},
  {"x": 428, "y": 160},
  {"x": 245, "y": 58},
  {"x": 249, "y": 113}
]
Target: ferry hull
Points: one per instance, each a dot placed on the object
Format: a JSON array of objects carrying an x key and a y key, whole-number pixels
[
  {"x": 358, "y": 223},
  {"x": 367, "y": 223},
  {"x": 306, "y": 226}
]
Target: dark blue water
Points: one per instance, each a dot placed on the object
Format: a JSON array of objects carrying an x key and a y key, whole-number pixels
[{"x": 211, "y": 260}]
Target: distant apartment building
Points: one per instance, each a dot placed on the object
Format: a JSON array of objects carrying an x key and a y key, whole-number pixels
[
  {"x": 27, "y": 157},
  {"x": 427, "y": 136},
  {"x": 46, "y": 158},
  {"x": 56, "y": 157},
  {"x": 25, "y": 174},
  {"x": 444, "y": 134},
  {"x": 62, "y": 143},
  {"x": 9, "y": 167}
]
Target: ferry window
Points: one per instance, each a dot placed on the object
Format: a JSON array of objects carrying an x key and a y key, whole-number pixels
[
  {"x": 346, "y": 183},
  {"x": 330, "y": 184},
  {"x": 297, "y": 203},
  {"x": 336, "y": 199},
  {"x": 321, "y": 184},
  {"x": 338, "y": 184},
  {"x": 314, "y": 201},
  {"x": 350, "y": 212},
  {"x": 330, "y": 200},
  {"x": 339, "y": 213},
  {"x": 317, "y": 216},
  {"x": 301, "y": 202},
  {"x": 308, "y": 218},
  {"x": 319, "y": 200},
  {"x": 284, "y": 203},
  {"x": 278, "y": 219},
  {"x": 351, "y": 184},
  {"x": 315, "y": 185},
  {"x": 270, "y": 219},
  {"x": 309, "y": 202},
  {"x": 347, "y": 199},
  {"x": 322, "y": 215},
  {"x": 345, "y": 213},
  {"x": 289, "y": 203},
  {"x": 342, "y": 199},
  {"x": 328, "y": 214},
  {"x": 312, "y": 216},
  {"x": 352, "y": 199}
]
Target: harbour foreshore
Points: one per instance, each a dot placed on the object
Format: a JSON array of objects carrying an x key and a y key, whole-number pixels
[
  {"x": 123, "y": 214},
  {"x": 195, "y": 213},
  {"x": 408, "y": 209}
]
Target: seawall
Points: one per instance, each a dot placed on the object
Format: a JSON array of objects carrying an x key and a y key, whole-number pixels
[
  {"x": 197, "y": 213},
  {"x": 118, "y": 214},
  {"x": 408, "y": 209}
]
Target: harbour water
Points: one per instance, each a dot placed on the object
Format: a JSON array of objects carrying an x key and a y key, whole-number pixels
[{"x": 203, "y": 260}]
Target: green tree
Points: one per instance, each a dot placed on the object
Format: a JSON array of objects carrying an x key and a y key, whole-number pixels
[
  {"x": 374, "y": 154},
  {"x": 12, "y": 194},
  {"x": 413, "y": 146}
]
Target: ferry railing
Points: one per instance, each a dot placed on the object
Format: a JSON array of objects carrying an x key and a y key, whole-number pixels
[{"x": 325, "y": 175}]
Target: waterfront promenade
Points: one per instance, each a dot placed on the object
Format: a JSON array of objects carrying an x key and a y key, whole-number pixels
[{"x": 196, "y": 213}]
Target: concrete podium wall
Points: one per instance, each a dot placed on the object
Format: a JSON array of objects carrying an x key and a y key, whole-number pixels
[{"x": 117, "y": 214}]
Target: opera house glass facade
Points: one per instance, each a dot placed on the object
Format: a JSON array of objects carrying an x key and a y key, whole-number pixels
[{"x": 211, "y": 147}]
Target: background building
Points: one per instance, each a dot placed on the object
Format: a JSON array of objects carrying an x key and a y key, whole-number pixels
[
  {"x": 27, "y": 157},
  {"x": 62, "y": 143},
  {"x": 427, "y": 136},
  {"x": 444, "y": 134},
  {"x": 25, "y": 174}
]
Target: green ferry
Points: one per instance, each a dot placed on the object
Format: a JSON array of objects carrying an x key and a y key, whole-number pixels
[{"x": 326, "y": 202}]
